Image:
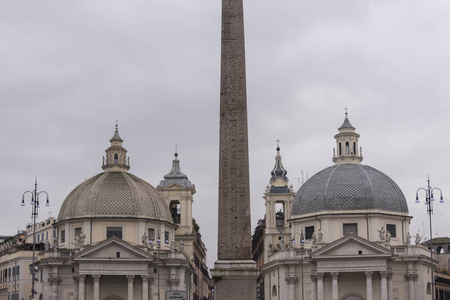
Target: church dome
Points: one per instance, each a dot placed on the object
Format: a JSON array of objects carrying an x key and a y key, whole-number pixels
[
  {"x": 115, "y": 193},
  {"x": 349, "y": 185}
]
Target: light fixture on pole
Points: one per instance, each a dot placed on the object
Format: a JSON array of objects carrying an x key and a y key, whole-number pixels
[
  {"x": 302, "y": 249},
  {"x": 34, "y": 213},
  {"x": 429, "y": 199},
  {"x": 158, "y": 247}
]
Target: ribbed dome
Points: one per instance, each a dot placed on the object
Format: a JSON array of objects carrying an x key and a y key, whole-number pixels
[
  {"x": 117, "y": 195},
  {"x": 349, "y": 187}
]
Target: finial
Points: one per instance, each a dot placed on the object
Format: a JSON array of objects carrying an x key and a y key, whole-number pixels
[
  {"x": 278, "y": 145},
  {"x": 117, "y": 124},
  {"x": 176, "y": 150},
  {"x": 346, "y": 111}
]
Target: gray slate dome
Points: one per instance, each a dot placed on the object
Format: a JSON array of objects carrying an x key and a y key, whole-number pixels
[
  {"x": 349, "y": 187},
  {"x": 117, "y": 195}
]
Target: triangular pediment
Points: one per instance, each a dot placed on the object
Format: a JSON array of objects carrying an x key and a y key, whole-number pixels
[
  {"x": 174, "y": 186},
  {"x": 113, "y": 248},
  {"x": 351, "y": 246}
]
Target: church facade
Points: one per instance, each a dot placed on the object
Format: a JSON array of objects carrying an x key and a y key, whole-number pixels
[
  {"x": 343, "y": 236},
  {"x": 118, "y": 237}
]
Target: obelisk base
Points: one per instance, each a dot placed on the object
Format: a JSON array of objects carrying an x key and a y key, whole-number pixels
[{"x": 235, "y": 279}]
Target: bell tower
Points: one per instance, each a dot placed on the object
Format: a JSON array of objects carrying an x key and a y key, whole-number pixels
[{"x": 278, "y": 199}]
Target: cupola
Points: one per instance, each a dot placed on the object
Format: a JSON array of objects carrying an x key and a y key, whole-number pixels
[
  {"x": 116, "y": 156},
  {"x": 347, "y": 151}
]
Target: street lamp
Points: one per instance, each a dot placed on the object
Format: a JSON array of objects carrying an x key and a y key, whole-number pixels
[
  {"x": 158, "y": 247},
  {"x": 302, "y": 248},
  {"x": 429, "y": 199},
  {"x": 34, "y": 213}
]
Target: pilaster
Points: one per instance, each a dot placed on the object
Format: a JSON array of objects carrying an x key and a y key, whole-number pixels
[
  {"x": 96, "y": 294},
  {"x": 369, "y": 290},
  {"x": 130, "y": 279}
]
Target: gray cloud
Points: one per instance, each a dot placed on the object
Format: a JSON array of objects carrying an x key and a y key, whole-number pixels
[{"x": 69, "y": 71}]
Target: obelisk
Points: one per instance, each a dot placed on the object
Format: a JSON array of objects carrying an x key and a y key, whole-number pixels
[{"x": 234, "y": 272}]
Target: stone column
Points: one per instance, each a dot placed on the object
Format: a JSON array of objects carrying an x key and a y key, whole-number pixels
[
  {"x": 389, "y": 286},
  {"x": 96, "y": 295},
  {"x": 76, "y": 287},
  {"x": 313, "y": 287},
  {"x": 334, "y": 286},
  {"x": 151, "y": 282},
  {"x": 55, "y": 282},
  {"x": 369, "y": 291},
  {"x": 411, "y": 289},
  {"x": 291, "y": 281},
  {"x": 320, "y": 290},
  {"x": 144, "y": 287},
  {"x": 383, "y": 283},
  {"x": 82, "y": 289},
  {"x": 130, "y": 279}
]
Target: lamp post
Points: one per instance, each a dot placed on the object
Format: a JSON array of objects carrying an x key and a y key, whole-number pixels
[
  {"x": 429, "y": 199},
  {"x": 34, "y": 213},
  {"x": 302, "y": 248},
  {"x": 158, "y": 247}
]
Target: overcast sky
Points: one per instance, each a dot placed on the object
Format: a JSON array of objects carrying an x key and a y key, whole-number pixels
[{"x": 69, "y": 70}]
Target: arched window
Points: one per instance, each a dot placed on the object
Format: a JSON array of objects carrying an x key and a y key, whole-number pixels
[
  {"x": 175, "y": 211},
  {"x": 274, "y": 290},
  {"x": 116, "y": 159},
  {"x": 340, "y": 149},
  {"x": 428, "y": 288},
  {"x": 347, "y": 148},
  {"x": 354, "y": 148}
]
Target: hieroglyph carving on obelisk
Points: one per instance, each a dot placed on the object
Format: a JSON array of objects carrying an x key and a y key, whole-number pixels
[{"x": 234, "y": 242}]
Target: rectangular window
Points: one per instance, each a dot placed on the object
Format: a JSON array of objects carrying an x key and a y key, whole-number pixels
[
  {"x": 350, "y": 228},
  {"x": 38, "y": 238},
  {"x": 113, "y": 231},
  {"x": 42, "y": 237},
  {"x": 151, "y": 234},
  {"x": 17, "y": 272},
  {"x": 309, "y": 230},
  {"x": 54, "y": 233},
  {"x": 166, "y": 237},
  {"x": 63, "y": 236},
  {"x": 77, "y": 231},
  {"x": 392, "y": 230}
]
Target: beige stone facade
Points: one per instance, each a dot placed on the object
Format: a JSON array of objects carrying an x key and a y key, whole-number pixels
[
  {"x": 116, "y": 237},
  {"x": 347, "y": 235}
]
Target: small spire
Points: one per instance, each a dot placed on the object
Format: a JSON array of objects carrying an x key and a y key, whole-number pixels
[
  {"x": 116, "y": 136},
  {"x": 346, "y": 123},
  {"x": 176, "y": 151},
  {"x": 278, "y": 170},
  {"x": 175, "y": 175},
  {"x": 278, "y": 180}
]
